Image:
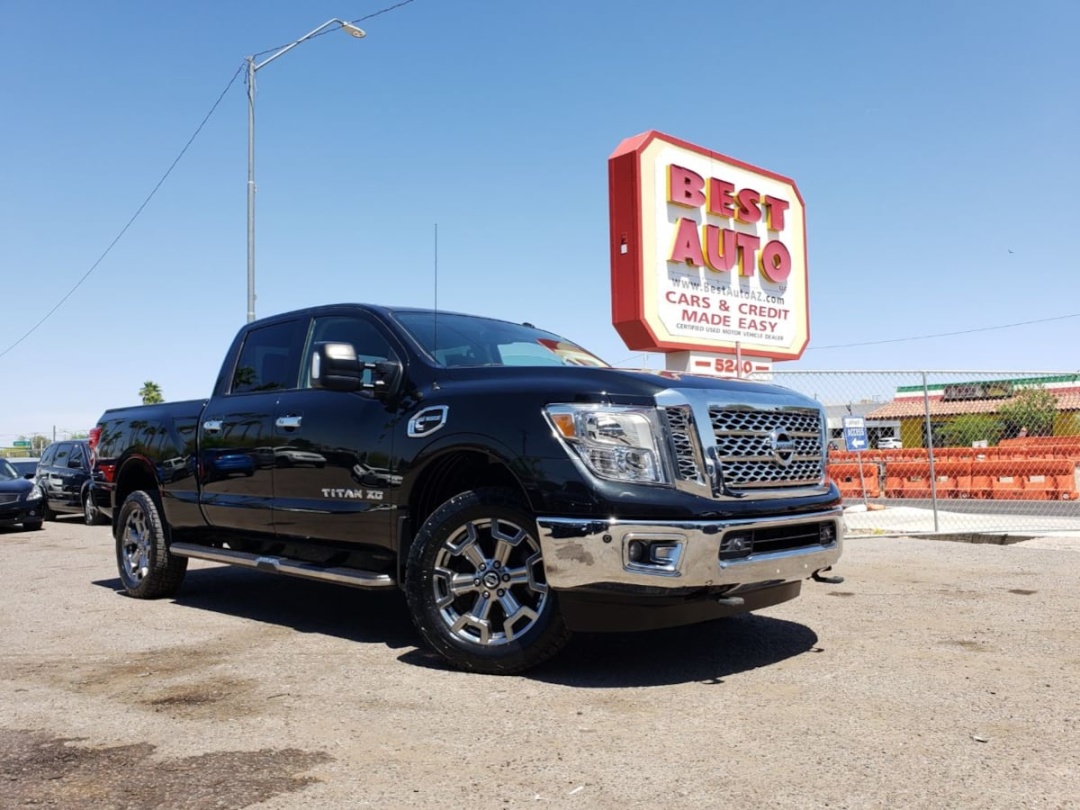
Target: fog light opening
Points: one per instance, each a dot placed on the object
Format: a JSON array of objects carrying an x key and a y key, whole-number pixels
[
  {"x": 827, "y": 534},
  {"x": 654, "y": 555}
]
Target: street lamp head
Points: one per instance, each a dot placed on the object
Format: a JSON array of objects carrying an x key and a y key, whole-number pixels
[{"x": 353, "y": 31}]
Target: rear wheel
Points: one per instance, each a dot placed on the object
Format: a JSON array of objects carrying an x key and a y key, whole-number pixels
[
  {"x": 476, "y": 588},
  {"x": 91, "y": 514},
  {"x": 147, "y": 569}
]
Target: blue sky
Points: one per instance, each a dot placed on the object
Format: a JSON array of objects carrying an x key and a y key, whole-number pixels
[{"x": 934, "y": 144}]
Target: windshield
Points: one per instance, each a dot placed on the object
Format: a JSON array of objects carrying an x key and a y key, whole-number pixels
[
  {"x": 7, "y": 472},
  {"x": 466, "y": 340}
]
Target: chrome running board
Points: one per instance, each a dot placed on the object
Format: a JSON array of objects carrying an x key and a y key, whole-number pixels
[{"x": 282, "y": 565}]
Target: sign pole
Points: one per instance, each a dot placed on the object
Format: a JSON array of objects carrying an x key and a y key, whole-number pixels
[{"x": 856, "y": 440}]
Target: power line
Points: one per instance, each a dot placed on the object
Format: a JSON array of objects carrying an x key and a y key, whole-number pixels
[
  {"x": 922, "y": 337},
  {"x": 945, "y": 334},
  {"x": 134, "y": 216},
  {"x": 331, "y": 30},
  {"x": 165, "y": 176}
]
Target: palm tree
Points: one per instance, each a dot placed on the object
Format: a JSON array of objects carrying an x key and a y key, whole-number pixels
[{"x": 151, "y": 393}]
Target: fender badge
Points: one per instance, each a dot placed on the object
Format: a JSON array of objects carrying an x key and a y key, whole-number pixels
[{"x": 427, "y": 421}]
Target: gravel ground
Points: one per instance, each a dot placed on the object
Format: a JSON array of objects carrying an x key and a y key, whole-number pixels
[{"x": 938, "y": 675}]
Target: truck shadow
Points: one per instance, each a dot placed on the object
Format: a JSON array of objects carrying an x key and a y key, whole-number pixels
[
  {"x": 302, "y": 605},
  {"x": 703, "y": 653}
]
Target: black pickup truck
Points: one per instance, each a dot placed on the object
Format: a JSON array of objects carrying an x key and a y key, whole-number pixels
[{"x": 512, "y": 483}]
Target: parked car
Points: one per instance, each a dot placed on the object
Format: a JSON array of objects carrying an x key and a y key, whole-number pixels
[
  {"x": 20, "y": 499},
  {"x": 291, "y": 457},
  {"x": 64, "y": 476},
  {"x": 26, "y": 467},
  {"x": 890, "y": 443},
  {"x": 375, "y": 476}
]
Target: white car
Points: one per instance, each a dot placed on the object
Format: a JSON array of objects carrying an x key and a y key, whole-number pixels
[
  {"x": 890, "y": 443},
  {"x": 288, "y": 456}
]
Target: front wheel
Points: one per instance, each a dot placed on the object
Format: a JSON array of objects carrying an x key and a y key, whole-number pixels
[
  {"x": 147, "y": 569},
  {"x": 476, "y": 587}
]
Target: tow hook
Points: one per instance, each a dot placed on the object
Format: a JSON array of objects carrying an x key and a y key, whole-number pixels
[
  {"x": 817, "y": 577},
  {"x": 731, "y": 601}
]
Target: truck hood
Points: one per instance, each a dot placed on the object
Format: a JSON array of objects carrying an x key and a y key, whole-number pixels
[{"x": 615, "y": 383}]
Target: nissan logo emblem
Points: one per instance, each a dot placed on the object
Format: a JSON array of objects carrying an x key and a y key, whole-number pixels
[{"x": 783, "y": 447}]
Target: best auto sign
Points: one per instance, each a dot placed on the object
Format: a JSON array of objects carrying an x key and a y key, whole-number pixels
[{"x": 707, "y": 252}]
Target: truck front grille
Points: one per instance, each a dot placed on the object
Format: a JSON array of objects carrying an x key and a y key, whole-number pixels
[
  {"x": 681, "y": 425},
  {"x": 760, "y": 449}
]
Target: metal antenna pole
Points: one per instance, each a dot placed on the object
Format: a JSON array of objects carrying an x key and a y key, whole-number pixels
[{"x": 251, "y": 191}]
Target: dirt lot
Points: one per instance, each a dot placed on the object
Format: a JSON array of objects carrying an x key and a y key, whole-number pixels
[{"x": 938, "y": 675}]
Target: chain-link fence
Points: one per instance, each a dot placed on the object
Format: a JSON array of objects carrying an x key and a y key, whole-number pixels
[{"x": 951, "y": 451}]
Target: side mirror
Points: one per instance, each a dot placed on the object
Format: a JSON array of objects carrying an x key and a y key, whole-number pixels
[
  {"x": 30, "y": 475},
  {"x": 334, "y": 366}
]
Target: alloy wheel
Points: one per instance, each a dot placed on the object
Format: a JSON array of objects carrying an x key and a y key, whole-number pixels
[
  {"x": 135, "y": 545},
  {"x": 488, "y": 582}
]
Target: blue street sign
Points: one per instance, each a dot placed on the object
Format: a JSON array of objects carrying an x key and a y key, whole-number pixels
[{"x": 855, "y": 433}]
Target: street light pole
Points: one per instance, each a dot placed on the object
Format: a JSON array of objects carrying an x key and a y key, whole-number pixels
[
  {"x": 251, "y": 192},
  {"x": 252, "y": 67}
]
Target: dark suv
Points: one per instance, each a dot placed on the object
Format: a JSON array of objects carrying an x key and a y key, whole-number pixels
[{"x": 64, "y": 476}]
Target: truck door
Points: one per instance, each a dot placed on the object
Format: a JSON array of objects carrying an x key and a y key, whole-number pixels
[
  {"x": 335, "y": 476},
  {"x": 236, "y": 434}
]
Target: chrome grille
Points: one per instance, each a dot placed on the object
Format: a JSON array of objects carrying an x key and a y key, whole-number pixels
[
  {"x": 681, "y": 428},
  {"x": 768, "y": 448}
]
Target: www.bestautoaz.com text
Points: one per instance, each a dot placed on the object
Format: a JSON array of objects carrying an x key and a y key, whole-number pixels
[{"x": 725, "y": 290}]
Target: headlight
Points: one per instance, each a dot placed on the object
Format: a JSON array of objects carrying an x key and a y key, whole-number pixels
[
  {"x": 619, "y": 443},
  {"x": 34, "y": 494}
]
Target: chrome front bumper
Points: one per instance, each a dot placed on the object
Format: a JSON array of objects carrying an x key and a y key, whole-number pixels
[{"x": 581, "y": 553}]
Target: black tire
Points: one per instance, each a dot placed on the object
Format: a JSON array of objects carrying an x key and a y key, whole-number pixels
[
  {"x": 91, "y": 514},
  {"x": 46, "y": 512},
  {"x": 509, "y": 622},
  {"x": 31, "y": 525},
  {"x": 147, "y": 569}
]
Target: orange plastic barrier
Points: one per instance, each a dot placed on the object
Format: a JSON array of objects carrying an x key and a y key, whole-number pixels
[
  {"x": 1027, "y": 479},
  {"x": 1041, "y": 441},
  {"x": 907, "y": 479},
  {"x": 1061, "y": 447},
  {"x": 953, "y": 479},
  {"x": 1065, "y": 481},
  {"x": 953, "y": 453},
  {"x": 846, "y": 477}
]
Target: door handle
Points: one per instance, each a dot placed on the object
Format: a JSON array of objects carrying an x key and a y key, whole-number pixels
[
  {"x": 288, "y": 422},
  {"x": 212, "y": 425}
]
